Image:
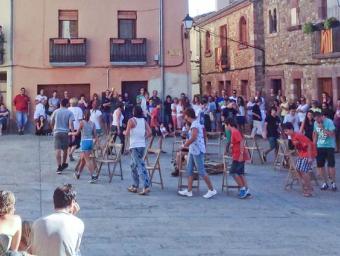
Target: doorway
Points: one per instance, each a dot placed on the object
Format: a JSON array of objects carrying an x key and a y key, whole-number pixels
[
  {"x": 244, "y": 89},
  {"x": 3, "y": 87},
  {"x": 228, "y": 87},
  {"x": 325, "y": 85},
  {"x": 132, "y": 88},
  {"x": 277, "y": 85},
  {"x": 297, "y": 88}
]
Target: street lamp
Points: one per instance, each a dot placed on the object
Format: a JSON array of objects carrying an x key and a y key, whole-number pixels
[{"x": 188, "y": 22}]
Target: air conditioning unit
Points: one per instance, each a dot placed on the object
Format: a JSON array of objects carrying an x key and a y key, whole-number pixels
[{"x": 156, "y": 57}]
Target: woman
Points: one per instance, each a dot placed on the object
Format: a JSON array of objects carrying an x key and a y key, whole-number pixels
[
  {"x": 117, "y": 124},
  {"x": 138, "y": 130},
  {"x": 315, "y": 106},
  {"x": 327, "y": 111},
  {"x": 179, "y": 112},
  {"x": 196, "y": 145},
  {"x": 82, "y": 103},
  {"x": 95, "y": 98},
  {"x": 87, "y": 129},
  {"x": 168, "y": 112},
  {"x": 241, "y": 114},
  {"x": 39, "y": 126},
  {"x": 307, "y": 126},
  {"x": 212, "y": 112},
  {"x": 96, "y": 117},
  {"x": 174, "y": 113},
  {"x": 196, "y": 105},
  {"x": 10, "y": 224}
]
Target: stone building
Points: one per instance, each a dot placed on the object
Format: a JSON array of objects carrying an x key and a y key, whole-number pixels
[
  {"x": 232, "y": 48},
  {"x": 300, "y": 63}
]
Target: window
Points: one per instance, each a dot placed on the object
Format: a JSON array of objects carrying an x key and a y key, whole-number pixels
[
  {"x": 228, "y": 87},
  {"x": 332, "y": 9},
  {"x": 207, "y": 44},
  {"x": 272, "y": 20},
  {"x": 294, "y": 13},
  {"x": 244, "y": 89},
  {"x": 243, "y": 32},
  {"x": 276, "y": 85},
  {"x": 297, "y": 88},
  {"x": 68, "y": 24},
  {"x": 223, "y": 36},
  {"x": 127, "y": 24}
]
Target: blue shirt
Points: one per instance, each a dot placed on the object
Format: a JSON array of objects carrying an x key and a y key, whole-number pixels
[{"x": 325, "y": 141}]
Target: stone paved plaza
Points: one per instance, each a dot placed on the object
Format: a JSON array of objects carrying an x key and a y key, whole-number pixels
[{"x": 273, "y": 222}]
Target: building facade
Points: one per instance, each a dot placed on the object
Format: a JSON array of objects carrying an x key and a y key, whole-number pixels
[
  {"x": 302, "y": 57},
  {"x": 86, "y": 47},
  {"x": 232, "y": 49},
  {"x": 6, "y": 52}
]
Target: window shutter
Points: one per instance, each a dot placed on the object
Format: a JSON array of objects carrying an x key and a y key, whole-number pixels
[
  {"x": 68, "y": 15},
  {"x": 127, "y": 15},
  {"x": 74, "y": 29}
]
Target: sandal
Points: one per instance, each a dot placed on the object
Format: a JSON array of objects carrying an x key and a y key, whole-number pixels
[
  {"x": 132, "y": 189},
  {"x": 76, "y": 175},
  {"x": 144, "y": 192}
]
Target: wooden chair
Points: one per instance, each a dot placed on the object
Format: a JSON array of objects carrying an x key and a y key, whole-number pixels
[
  {"x": 176, "y": 145},
  {"x": 113, "y": 159},
  {"x": 252, "y": 146},
  {"x": 225, "y": 185},
  {"x": 183, "y": 171},
  {"x": 282, "y": 155},
  {"x": 152, "y": 164},
  {"x": 214, "y": 140}
]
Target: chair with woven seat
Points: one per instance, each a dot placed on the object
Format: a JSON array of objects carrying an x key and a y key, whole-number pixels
[
  {"x": 111, "y": 159},
  {"x": 252, "y": 146},
  {"x": 282, "y": 155},
  {"x": 152, "y": 164},
  {"x": 225, "y": 184}
]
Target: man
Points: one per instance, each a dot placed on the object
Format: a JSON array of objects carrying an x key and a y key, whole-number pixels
[
  {"x": 141, "y": 101},
  {"x": 234, "y": 96},
  {"x": 219, "y": 101},
  {"x": 62, "y": 122},
  {"x": 302, "y": 110},
  {"x": 60, "y": 233},
  {"x": 154, "y": 101},
  {"x": 41, "y": 97},
  {"x": 40, "y": 109},
  {"x": 21, "y": 103},
  {"x": 106, "y": 110},
  {"x": 66, "y": 96},
  {"x": 271, "y": 131},
  {"x": 53, "y": 103},
  {"x": 292, "y": 117},
  {"x": 257, "y": 119},
  {"x": 324, "y": 137},
  {"x": 74, "y": 142},
  {"x": 272, "y": 97}
]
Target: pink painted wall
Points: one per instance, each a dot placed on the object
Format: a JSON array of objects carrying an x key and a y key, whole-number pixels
[{"x": 36, "y": 21}]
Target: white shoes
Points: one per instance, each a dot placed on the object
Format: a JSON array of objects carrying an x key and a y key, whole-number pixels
[
  {"x": 210, "y": 194},
  {"x": 187, "y": 193}
]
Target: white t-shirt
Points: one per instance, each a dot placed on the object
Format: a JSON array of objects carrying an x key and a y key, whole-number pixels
[
  {"x": 115, "y": 120},
  {"x": 302, "y": 115},
  {"x": 95, "y": 118},
  {"x": 173, "y": 109},
  {"x": 250, "y": 106},
  {"x": 58, "y": 234},
  {"x": 241, "y": 111},
  {"x": 78, "y": 116},
  {"x": 292, "y": 119},
  {"x": 41, "y": 97}
]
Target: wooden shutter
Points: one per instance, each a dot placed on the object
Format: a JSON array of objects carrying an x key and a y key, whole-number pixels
[
  {"x": 207, "y": 43},
  {"x": 243, "y": 30},
  {"x": 68, "y": 15},
  {"x": 74, "y": 28}
]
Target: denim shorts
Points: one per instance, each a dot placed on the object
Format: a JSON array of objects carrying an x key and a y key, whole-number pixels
[
  {"x": 86, "y": 145},
  {"x": 272, "y": 142},
  {"x": 237, "y": 168},
  {"x": 198, "y": 162}
]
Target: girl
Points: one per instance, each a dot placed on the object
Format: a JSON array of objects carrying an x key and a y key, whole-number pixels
[
  {"x": 138, "y": 130},
  {"x": 196, "y": 145},
  {"x": 179, "y": 112},
  {"x": 117, "y": 124},
  {"x": 39, "y": 126},
  {"x": 174, "y": 113},
  {"x": 96, "y": 117},
  {"x": 241, "y": 115},
  {"x": 87, "y": 129},
  {"x": 307, "y": 126}
]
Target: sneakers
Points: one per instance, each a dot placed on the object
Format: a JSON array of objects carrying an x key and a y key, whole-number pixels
[
  {"x": 93, "y": 179},
  {"x": 71, "y": 158},
  {"x": 264, "y": 156},
  {"x": 244, "y": 193},
  {"x": 185, "y": 193},
  {"x": 59, "y": 170},
  {"x": 333, "y": 187},
  {"x": 324, "y": 186},
  {"x": 210, "y": 194},
  {"x": 64, "y": 166}
]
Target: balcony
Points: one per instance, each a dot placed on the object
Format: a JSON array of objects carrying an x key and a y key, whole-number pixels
[
  {"x": 221, "y": 58},
  {"x": 128, "y": 52},
  {"x": 326, "y": 43},
  {"x": 68, "y": 52}
]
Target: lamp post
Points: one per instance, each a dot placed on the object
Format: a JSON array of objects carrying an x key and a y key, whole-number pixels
[{"x": 188, "y": 23}]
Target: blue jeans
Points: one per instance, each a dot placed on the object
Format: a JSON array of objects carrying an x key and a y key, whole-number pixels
[
  {"x": 21, "y": 119},
  {"x": 198, "y": 161},
  {"x": 138, "y": 168}
]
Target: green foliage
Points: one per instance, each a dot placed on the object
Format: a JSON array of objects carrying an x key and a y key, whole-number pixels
[
  {"x": 308, "y": 28},
  {"x": 331, "y": 23}
]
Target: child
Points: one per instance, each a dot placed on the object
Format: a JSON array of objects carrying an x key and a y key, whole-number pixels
[
  {"x": 163, "y": 130},
  {"x": 240, "y": 156},
  {"x": 306, "y": 153},
  {"x": 39, "y": 126}
]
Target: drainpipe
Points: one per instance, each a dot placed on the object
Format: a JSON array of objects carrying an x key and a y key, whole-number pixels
[
  {"x": 161, "y": 49},
  {"x": 108, "y": 79},
  {"x": 10, "y": 77}
]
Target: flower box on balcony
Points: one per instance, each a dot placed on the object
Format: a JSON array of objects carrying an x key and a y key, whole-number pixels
[
  {"x": 137, "y": 41},
  {"x": 60, "y": 41},
  {"x": 118, "y": 41},
  {"x": 77, "y": 41}
]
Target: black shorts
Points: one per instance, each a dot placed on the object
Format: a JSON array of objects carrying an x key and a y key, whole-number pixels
[
  {"x": 75, "y": 142},
  {"x": 61, "y": 141},
  {"x": 237, "y": 168},
  {"x": 325, "y": 154},
  {"x": 156, "y": 132}
]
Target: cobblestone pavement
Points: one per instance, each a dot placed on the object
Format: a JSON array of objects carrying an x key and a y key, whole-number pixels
[{"x": 273, "y": 222}]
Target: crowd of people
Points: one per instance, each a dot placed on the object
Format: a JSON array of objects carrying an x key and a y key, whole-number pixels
[
  {"x": 57, "y": 234},
  {"x": 76, "y": 122}
]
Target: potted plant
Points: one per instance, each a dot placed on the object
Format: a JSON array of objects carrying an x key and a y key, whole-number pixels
[
  {"x": 331, "y": 23},
  {"x": 308, "y": 28}
]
